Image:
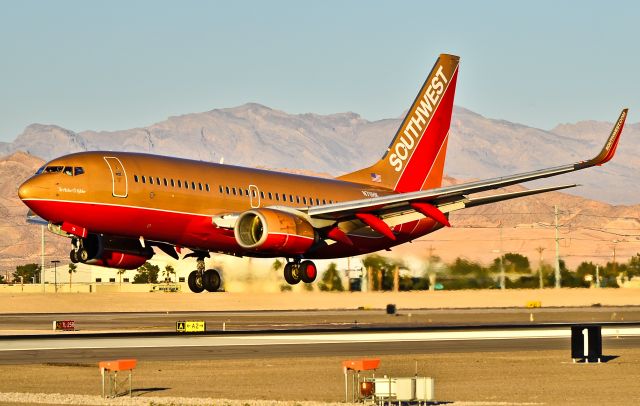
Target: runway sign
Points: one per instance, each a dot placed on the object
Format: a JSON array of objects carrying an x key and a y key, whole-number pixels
[
  {"x": 64, "y": 325},
  {"x": 586, "y": 343},
  {"x": 190, "y": 326}
]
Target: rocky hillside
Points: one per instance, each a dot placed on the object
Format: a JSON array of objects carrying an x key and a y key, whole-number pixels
[{"x": 255, "y": 135}]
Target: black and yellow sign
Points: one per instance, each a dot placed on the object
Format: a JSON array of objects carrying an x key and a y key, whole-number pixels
[{"x": 190, "y": 326}]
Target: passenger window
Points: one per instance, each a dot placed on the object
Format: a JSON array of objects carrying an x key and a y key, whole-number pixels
[
  {"x": 317, "y": 202},
  {"x": 151, "y": 180},
  {"x": 298, "y": 199},
  {"x": 164, "y": 180},
  {"x": 179, "y": 183},
  {"x": 261, "y": 194},
  {"x": 199, "y": 186},
  {"x": 324, "y": 201},
  {"x": 277, "y": 197},
  {"x": 144, "y": 180},
  {"x": 226, "y": 188},
  {"x": 270, "y": 197},
  {"x": 186, "y": 184},
  {"x": 253, "y": 193},
  {"x": 240, "y": 191},
  {"x": 172, "y": 183},
  {"x": 135, "y": 178},
  {"x": 157, "y": 181},
  {"x": 68, "y": 170},
  {"x": 221, "y": 190},
  {"x": 193, "y": 186},
  {"x": 206, "y": 185},
  {"x": 234, "y": 192},
  {"x": 304, "y": 200},
  {"x": 78, "y": 170}
]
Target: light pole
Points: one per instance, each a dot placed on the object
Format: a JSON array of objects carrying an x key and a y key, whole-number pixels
[
  {"x": 55, "y": 263},
  {"x": 502, "y": 275}
]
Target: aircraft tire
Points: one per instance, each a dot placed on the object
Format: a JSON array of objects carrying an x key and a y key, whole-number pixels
[
  {"x": 83, "y": 255},
  {"x": 292, "y": 273},
  {"x": 211, "y": 280},
  {"x": 194, "y": 284},
  {"x": 73, "y": 255},
  {"x": 308, "y": 271}
]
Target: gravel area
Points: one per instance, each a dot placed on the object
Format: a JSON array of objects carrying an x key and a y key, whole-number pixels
[
  {"x": 473, "y": 378},
  {"x": 66, "y": 399}
]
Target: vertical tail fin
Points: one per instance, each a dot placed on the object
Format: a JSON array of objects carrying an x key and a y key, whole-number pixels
[{"x": 415, "y": 158}]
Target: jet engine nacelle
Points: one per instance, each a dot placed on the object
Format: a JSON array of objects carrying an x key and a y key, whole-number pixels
[
  {"x": 269, "y": 230},
  {"x": 120, "y": 260},
  {"x": 115, "y": 252}
]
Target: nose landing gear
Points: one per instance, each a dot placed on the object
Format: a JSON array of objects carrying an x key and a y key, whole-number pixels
[
  {"x": 297, "y": 271},
  {"x": 80, "y": 253}
]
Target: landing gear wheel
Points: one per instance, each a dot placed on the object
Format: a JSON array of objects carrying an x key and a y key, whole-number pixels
[
  {"x": 73, "y": 255},
  {"x": 195, "y": 282},
  {"x": 211, "y": 280},
  {"x": 83, "y": 255},
  {"x": 308, "y": 271},
  {"x": 292, "y": 273}
]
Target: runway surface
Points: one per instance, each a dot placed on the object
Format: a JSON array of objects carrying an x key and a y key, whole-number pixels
[
  {"x": 231, "y": 346},
  {"x": 34, "y": 323}
]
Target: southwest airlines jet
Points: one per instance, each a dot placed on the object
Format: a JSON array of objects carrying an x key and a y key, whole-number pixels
[{"x": 116, "y": 206}]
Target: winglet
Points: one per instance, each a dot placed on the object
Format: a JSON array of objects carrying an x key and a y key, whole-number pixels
[{"x": 609, "y": 148}]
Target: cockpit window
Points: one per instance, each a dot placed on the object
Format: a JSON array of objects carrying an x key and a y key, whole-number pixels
[
  {"x": 40, "y": 170},
  {"x": 78, "y": 170},
  {"x": 68, "y": 170},
  {"x": 53, "y": 169}
]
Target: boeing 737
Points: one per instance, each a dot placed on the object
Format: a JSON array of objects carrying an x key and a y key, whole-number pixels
[{"x": 116, "y": 206}]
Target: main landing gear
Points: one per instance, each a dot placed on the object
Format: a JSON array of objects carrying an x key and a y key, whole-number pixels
[
  {"x": 297, "y": 271},
  {"x": 201, "y": 279}
]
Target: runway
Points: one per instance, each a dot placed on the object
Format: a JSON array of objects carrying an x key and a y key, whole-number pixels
[
  {"x": 232, "y": 346},
  {"x": 39, "y": 323}
]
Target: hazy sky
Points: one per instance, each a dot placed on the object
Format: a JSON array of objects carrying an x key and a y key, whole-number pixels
[{"x": 117, "y": 65}]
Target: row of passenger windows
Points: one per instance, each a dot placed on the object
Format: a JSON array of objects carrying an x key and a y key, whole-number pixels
[
  {"x": 278, "y": 197},
  {"x": 170, "y": 182}
]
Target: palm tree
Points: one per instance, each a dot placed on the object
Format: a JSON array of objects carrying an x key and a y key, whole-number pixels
[
  {"x": 120, "y": 273},
  {"x": 72, "y": 269},
  {"x": 168, "y": 271}
]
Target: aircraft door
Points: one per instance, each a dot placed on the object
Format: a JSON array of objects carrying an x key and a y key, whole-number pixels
[
  {"x": 254, "y": 196},
  {"x": 118, "y": 177}
]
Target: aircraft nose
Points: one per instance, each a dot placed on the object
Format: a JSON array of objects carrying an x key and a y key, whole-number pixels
[
  {"x": 23, "y": 190},
  {"x": 27, "y": 190}
]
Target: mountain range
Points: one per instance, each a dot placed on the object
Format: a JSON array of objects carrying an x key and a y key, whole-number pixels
[{"x": 258, "y": 136}]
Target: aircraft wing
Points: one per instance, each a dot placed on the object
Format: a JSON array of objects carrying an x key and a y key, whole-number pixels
[{"x": 450, "y": 198}]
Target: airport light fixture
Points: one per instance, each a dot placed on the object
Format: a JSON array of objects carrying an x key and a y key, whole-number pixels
[{"x": 55, "y": 263}]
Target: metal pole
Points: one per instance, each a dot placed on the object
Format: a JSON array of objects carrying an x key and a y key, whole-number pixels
[
  {"x": 502, "y": 276},
  {"x": 55, "y": 274},
  {"x": 597, "y": 276},
  {"x": 346, "y": 386},
  {"x": 540, "y": 249},
  {"x": 557, "y": 284},
  {"x": 42, "y": 275}
]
